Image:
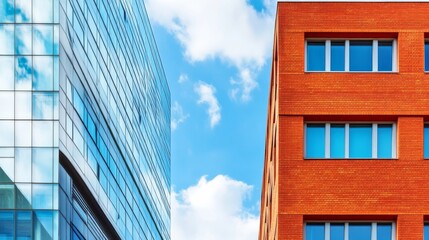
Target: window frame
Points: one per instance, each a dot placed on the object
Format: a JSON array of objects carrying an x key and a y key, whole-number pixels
[
  {"x": 374, "y": 146},
  {"x": 346, "y": 228},
  {"x": 347, "y": 54}
]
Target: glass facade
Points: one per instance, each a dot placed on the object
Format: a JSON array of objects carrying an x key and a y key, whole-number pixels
[{"x": 85, "y": 143}]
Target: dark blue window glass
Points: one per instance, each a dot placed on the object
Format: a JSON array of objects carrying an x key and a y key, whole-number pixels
[
  {"x": 384, "y": 141},
  {"x": 7, "y": 227},
  {"x": 23, "y": 225},
  {"x": 315, "y": 56},
  {"x": 360, "y": 141},
  {"x": 359, "y": 231},
  {"x": 315, "y": 231},
  {"x": 426, "y": 141},
  {"x": 337, "y": 56},
  {"x": 315, "y": 141},
  {"x": 426, "y": 56},
  {"x": 337, "y": 231},
  {"x": 337, "y": 140},
  {"x": 384, "y": 231},
  {"x": 385, "y": 55},
  {"x": 426, "y": 232},
  {"x": 360, "y": 55}
]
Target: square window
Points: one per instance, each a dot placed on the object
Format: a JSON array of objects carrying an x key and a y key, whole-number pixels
[
  {"x": 360, "y": 141},
  {"x": 315, "y": 56},
  {"x": 42, "y": 196},
  {"x": 361, "y": 55},
  {"x": 315, "y": 141}
]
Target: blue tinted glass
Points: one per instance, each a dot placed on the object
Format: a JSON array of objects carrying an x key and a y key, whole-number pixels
[
  {"x": 337, "y": 56},
  {"x": 426, "y": 56},
  {"x": 385, "y": 54},
  {"x": 360, "y": 55},
  {"x": 337, "y": 231},
  {"x": 6, "y": 225},
  {"x": 337, "y": 140},
  {"x": 23, "y": 225},
  {"x": 426, "y": 232},
  {"x": 6, "y": 11},
  {"x": 426, "y": 141},
  {"x": 315, "y": 231},
  {"x": 42, "y": 225},
  {"x": 359, "y": 231},
  {"x": 316, "y": 56},
  {"x": 315, "y": 141},
  {"x": 360, "y": 141},
  {"x": 384, "y": 141},
  {"x": 384, "y": 231}
]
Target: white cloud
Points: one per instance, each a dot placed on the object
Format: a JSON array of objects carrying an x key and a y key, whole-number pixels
[
  {"x": 183, "y": 78},
  {"x": 206, "y": 95},
  {"x": 230, "y": 30},
  {"x": 178, "y": 116},
  {"x": 213, "y": 210}
]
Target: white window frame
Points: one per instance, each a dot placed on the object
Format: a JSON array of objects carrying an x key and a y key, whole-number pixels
[
  {"x": 346, "y": 228},
  {"x": 347, "y": 55},
  {"x": 347, "y": 139}
]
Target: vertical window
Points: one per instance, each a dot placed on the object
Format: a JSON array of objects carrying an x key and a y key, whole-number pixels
[
  {"x": 359, "y": 231},
  {"x": 337, "y": 231},
  {"x": 315, "y": 141},
  {"x": 360, "y": 55},
  {"x": 360, "y": 141},
  {"x": 427, "y": 56},
  {"x": 426, "y": 232},
  {"x": 7, "y": 227},
  {"x": 316, "y": 56},
  {"x": 337, "y": 141},
  {"x": 385, "y": 55},
  {"x": 384, "y": 140},
  {"x": 315, "y": 231},
  {"x": 384, "y": 231},
  {"x": 426, "y": 141},
  {"x": 338, "y": 51}
]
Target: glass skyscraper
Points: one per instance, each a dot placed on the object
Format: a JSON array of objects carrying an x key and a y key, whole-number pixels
[{"x": 84, "y": 122}]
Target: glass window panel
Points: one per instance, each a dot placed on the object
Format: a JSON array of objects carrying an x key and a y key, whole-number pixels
[
  {"x": 315, "y": 141},
  {"x": 360, "y": 231},
  {"x": 56, "y": 73},
  {"x": 78, "y": 139},
  {"x": 7, "y": 133},
  {"x": 426, "y": 232},
  {"x": 7, "y": 152},
  {"x": 91, "y": 128},
  {"x": 360, "y": 55},
  {"x": 43, "y": 76},
  {"x": 23, "y": 73},
  {"x": 7, "y": 105},
  {"x": 384, "y": 231},
  {"x": 7, "y": 225},
  {"x": 315, "y": 56},
  {"x": 7, "y": 169},
  {"x": 43, "y": 39},
  {"x": 42, "y": 164},
  {"x": 315, "y": 231},
  {"x": 22, "y": 11},
  {"x": 23, "y": 225},
  {"x": 338, "y": 56},
  {"x": 385, "y": 55},
  {"x": 23, "y": 164},
  {"x": 42, "y": 11},
  {"x": 337, "y": 140},
  {"x": 360, "y": 141},
  {"x": 337, "y": 231},
  {"x": 426, "y": 141},
  {"x": 56, "y": 40},
  {"x": 23, "y": 44},
  {"x": 42, "y": 196},
  {"x": 6, "y": 38},
  {"x": 22, "y": 105},
  {"x": 23, "y": 133},
  {"x": 384, "y": 141},
  {"x": 426, "y": 56},
  {"x": 43, "y": 105},
  {"x": 7, "y": 71},
  {"x": 23, "y": 196},
  {"x": 42, "y": 225},
  {"x": 7, "y": 196},
  {"x": 43, "y": 133},
  {"x": 6, "y": 11}
]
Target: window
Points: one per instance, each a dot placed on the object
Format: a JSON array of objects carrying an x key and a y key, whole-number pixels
[
  {"x": 351, "y": 140},
  {"x": 350, "y": 231},
  {"x": 426, "y": 141},
  {"x": 351, "y": 55},
  {"x": 426, "y": 56},
  {"x": 426, "y": 232}
]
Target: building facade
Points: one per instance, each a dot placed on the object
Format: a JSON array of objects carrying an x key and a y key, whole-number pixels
[
  {"x": 84, "y": 122},
  {"x": 347, "y": 141}
]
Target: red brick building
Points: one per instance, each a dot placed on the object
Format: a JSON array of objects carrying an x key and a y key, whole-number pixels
[{"x": 345, "y": 144}]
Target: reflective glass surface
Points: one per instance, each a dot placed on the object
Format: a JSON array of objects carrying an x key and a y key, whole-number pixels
[
  {"x": 7, "y": 225},
  {"x": 337, "y": 55},
  {"x": 43, "y": 39},
  {"x": 337, "y": 140},
  {"x": 23, "y": 133},
  {"x": 315, "y": 56},
  {"x": 359, "y": 231},
  {"x": 360, "y": 141},
  {"x": 23, "y": 225},
  {"x": 42, "y": 196},
  {"x": 23, "y": 41},
  {"x": 315, "y": 231},
  {"x": 43, "y": 74},
  {"x": 426, "y": 141},
  {"x": 23, "y": 196},
  {"x": 7, "y": 73},
  {"x": 6, "y": 11},
  {"x": 7, "y": 171},
  {"x": 7, "y": 137},
  {"x": 23, "y": 11},
  {"x": 384, "y": 231},
  {"x": 384, "y": 141},
  {"x": 315, "y": 141},
  {"x": 42, "y": 164},
  {"x": 7, "y": 196},
  {"x": 337, "y": 231},
  {"x": 23, "y": 73},
  {"x": 7, "y": 38},
  {"x": 23, "y": 164},
  {"x": 7, "y": 110},
  {"x": 385, "y": 55},
  {"x": 360, "y": 55}
]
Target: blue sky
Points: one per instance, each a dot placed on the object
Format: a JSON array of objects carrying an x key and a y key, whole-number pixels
[{"x": 217, "y": 59}]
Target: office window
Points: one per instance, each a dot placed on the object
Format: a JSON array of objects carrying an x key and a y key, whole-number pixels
[
  {"x": 350, "y": 231},
  {"x": 351, "y": 55},
  {"x": 427, "y": 56},
  {"x": 426, "y": 141},
  {"x": 351, "y": 140},
  {"x": 426, "y": 231}
]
